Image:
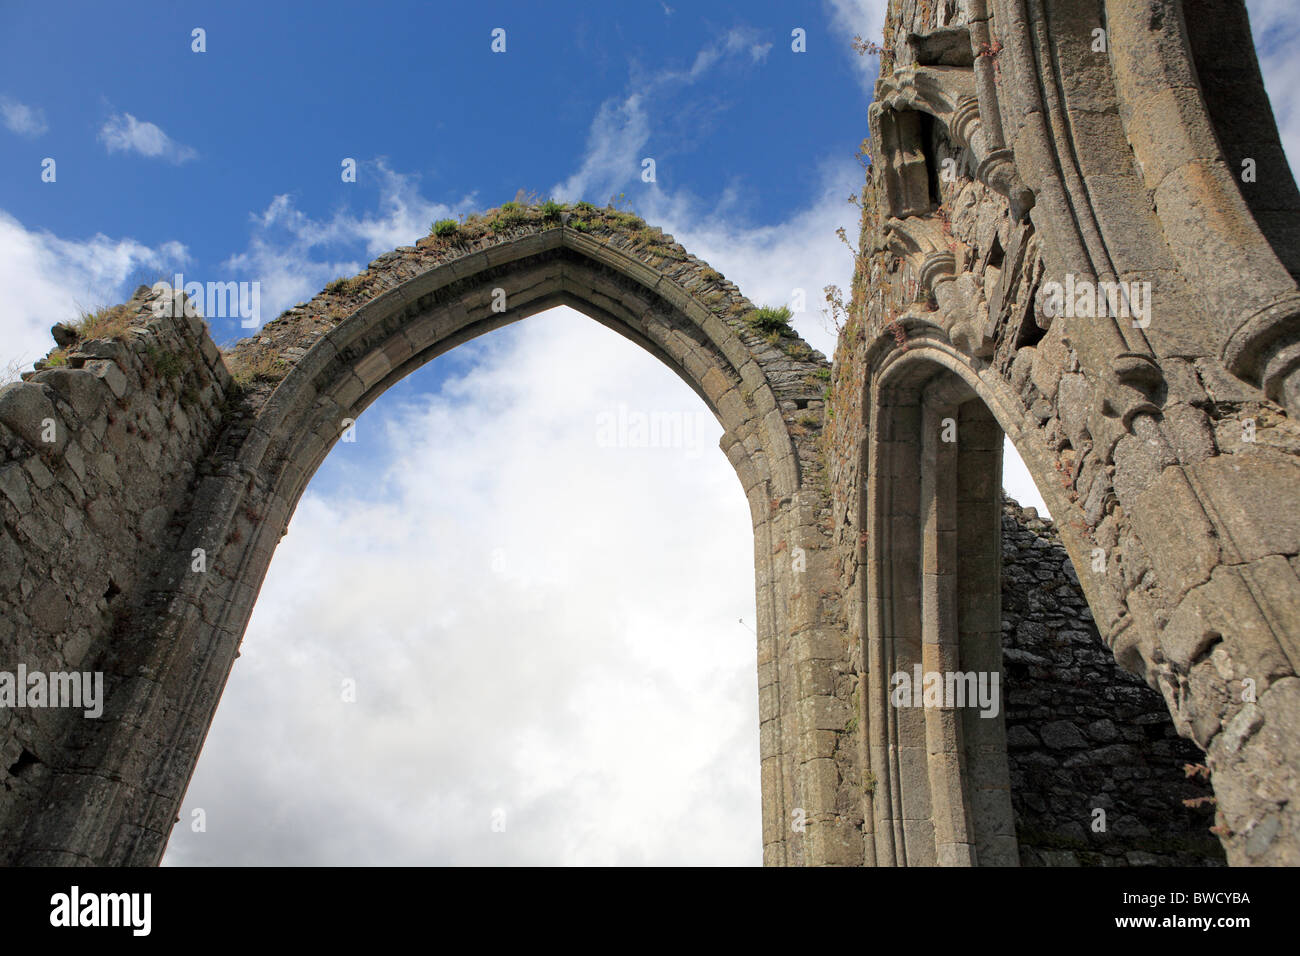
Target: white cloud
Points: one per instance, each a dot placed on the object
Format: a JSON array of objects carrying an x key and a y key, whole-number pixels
[
  {"x": 768, "y": 262},
  {"x": 124, "y": 133},
  {"x": 21, "y": 119},
  {"x": 294, "y": 256},
  {"x": 535, "y": 623},
  {"x": 864, "y": 18},
  {"x": 47, "y": 280},
  {"x": 617, "y": 138},
  {"x": 615, "y": 146}
]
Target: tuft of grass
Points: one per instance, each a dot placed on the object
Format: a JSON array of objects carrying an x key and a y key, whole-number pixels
[
  {"x": 712, "y": 275},
  {"x": 800, "y": 351},
  {"x": 343, "y": 286},
  {"x": 584, "y": 206},
  {"x": 552, "y": 209},
  {"x": 264, "y": 367},
  {"x": 108, "y": 322},
  {"x": 444, "y": 227},
  {"x": 510, "y": 214},
  {"x": 165, "y": 364},
  {"x": 769, "y": 320},
  {"x": 105, "y": 323},
  {"x": 628, "y": 219}
]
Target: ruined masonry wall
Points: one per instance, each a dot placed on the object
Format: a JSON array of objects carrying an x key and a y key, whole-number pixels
[
  {"x": 1082, "y": 733},
  {"x": 87, "y": 516}
]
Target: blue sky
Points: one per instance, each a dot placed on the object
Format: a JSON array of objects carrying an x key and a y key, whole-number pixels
[
  {"x": 536, "y": 625},
  {"x": 284, "y": 92}
]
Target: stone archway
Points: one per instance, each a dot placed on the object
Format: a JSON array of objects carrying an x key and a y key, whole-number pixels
[
  {"x": 309, "y": 374},
  {"x": 933, "y": 506},
  {"x": 1017, "y": 157}
]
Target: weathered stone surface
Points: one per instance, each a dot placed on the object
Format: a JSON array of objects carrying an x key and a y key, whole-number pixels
[{"x": 1163, "y": 442}]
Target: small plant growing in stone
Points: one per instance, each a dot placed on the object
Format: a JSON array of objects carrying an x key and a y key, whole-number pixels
[
  {"x": 264, "y": 367},
  {"x": 865, "y": 47},
  {"x": 103, "y": 323},
  {"x": 510, "y": 214},
  {"x": 552, "y": 209},
  {"x": 895, "y": 328},
  {"x": 799, "y": 351},
  {"x": 768, "y": 320},
  {"x": 444, "y": 228},
  {"x": 628, "y": 220},
  {"x": 864, "y": 157},
  {"x": 838, "y": 316},
  {"x": 991, "y": 50},
  {"x": 11, "y": 372},
  {"x": 651, "y": 236},
  {"x": 165, "y": 364}
]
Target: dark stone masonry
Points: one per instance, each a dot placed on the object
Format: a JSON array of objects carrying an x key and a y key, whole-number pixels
[{"x": 1082, "y": 734}]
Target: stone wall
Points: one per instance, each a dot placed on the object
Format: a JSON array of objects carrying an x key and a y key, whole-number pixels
[
  {"x": 1007, "y": 155},
  {"x": 109, "y": 789},
  {"x": 1083, "y": 734},
  {"x": 97, "y": 457}
]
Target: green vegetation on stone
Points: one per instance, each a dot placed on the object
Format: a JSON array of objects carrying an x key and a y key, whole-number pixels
[{"x": 770, "y": 320}]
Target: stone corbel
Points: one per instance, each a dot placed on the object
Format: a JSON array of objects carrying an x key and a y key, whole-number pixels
[
  {"x": 919, "y": 240},
  {"x": 1264, "y": 351},
  {"x": 962, "y": 310},
  {"x": 965, "y": 315}
]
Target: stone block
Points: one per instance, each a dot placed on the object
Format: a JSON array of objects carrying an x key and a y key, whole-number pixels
[
  {"x": 1255, "y": 503},
  {"x": 110, "y": 373},
  {"x": 1175, "y": 532}
]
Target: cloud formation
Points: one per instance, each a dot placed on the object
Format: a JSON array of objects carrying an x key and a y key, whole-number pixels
[
  {"x": 48, "y": 279},
  {"x": 864, "y": 18},
  {"x": 294, "y": 255},
  {"x": 125, "y": 134},
  {"x": 543, "y": 629},
  {"x": 21, "y": 119}
]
